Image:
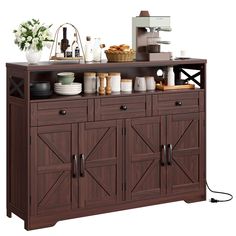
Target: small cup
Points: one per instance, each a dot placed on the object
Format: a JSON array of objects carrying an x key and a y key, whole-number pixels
[{"x": 183, "y": 53}]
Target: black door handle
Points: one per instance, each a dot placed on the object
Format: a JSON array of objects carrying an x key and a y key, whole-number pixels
[
  {"x": 75, "y": 166},
  {"x": 163, "y": 155},
  {"x": 82, "y": 165},
  {"x": 170, "y": 154}
]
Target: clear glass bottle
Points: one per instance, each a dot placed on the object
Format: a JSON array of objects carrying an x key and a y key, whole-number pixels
[
  {"x": 58, "y": 50},
  {"x": 88, "y": 50},
  {"x": 97, "y": 50},
  {"x": 75, "y": 47}
]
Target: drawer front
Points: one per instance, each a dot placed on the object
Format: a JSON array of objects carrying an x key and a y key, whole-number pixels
[
  {"x": 122, "y": 107},
  {"x": 175, "y": 103},
  {"x": 49, "y": 113}
]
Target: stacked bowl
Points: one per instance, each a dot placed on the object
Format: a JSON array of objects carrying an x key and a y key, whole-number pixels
[
  {"x": 40, "y": 89},
  {"x": 66, "y": 77},
  {"x": 65, "y": 85}
]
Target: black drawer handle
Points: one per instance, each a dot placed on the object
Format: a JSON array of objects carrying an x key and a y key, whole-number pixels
[
  {"x": 178, "y": 103},
  {"x": 123, "y": 107},
  {"x": 62, "y": 112}
]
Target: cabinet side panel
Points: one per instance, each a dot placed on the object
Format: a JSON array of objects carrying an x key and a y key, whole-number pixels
[{"x": 17, "y": 158}]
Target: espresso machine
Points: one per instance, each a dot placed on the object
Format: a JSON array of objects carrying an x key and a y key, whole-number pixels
[{"x": 145, "y": 36}]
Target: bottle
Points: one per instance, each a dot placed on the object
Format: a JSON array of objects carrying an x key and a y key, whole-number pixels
[
  {"x": 77, "y": 52},
  {"x": 171, "y": 77},
  {"x": 97, "y": 50},
  {"x": 88, "y": 49},
  {"x": 68, "y": 52},
  {"x": 58, "y": 50},
  {"x": 75, "y": 47},
  {"x": 64, "y": 41}
]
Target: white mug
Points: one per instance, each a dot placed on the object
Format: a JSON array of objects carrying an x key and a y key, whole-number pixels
[
  {"x": 140, "y": 84},
  {"x": 150, "y": 83}
]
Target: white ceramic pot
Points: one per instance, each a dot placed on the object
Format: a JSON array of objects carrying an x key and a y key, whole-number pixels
[{"x": 33, "y": 56}]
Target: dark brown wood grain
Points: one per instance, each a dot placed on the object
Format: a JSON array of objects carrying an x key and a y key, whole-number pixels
[
  {"x": 144, "y": 173},
  {"x": 120, "y": 135}
]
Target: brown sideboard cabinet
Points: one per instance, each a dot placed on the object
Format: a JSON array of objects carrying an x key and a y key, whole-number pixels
[{"x": 73, "y": 156}]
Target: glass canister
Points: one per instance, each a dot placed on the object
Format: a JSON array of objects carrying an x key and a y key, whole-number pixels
[
  {"x": 126, "y": 85},
  {"x": 115, "y": 81},
  {"x": 89, "y": 82},
  {"x": 104, "y": 74}
]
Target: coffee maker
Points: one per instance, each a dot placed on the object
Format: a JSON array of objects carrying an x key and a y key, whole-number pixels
[{"x": 145, "y": 36}]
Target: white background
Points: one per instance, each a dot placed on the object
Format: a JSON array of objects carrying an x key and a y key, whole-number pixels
[{"x": 207, "y": 30}]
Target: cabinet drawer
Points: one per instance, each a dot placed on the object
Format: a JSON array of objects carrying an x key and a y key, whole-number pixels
[
  {"x": 48, "y": 113},
  {"x": 122, "y": 107},
  {"x": 176, "y": 103}
]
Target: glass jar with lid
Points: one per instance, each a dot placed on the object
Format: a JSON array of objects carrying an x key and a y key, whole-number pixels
[
  {"x": 115, "y": 81},
  {"x": 89, "y": 82}
]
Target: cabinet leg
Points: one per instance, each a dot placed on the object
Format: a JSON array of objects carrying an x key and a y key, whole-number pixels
[
  {"x": 33, "y": 225},
  {"x": 196, "y": 199},
  {"x": 9, "y": 213}
]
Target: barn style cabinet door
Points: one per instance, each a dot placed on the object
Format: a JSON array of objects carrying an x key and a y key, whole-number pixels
[
  {"x": 185, "y": 152},
  {"x": 53, "y": 160},
  {"x": 100, "y": 163},
  {"x": 145, "y": 177}
]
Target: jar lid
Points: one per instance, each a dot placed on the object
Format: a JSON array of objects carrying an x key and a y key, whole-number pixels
[
  {"x": 114, "y": 73},
  {"x": 89, "y": 74},
  {"x": 126, "y": 80},
  {"x": 102, "y": 74}
]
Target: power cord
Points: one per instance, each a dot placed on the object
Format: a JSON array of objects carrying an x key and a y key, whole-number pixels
[{"x": 213, "y": 200}]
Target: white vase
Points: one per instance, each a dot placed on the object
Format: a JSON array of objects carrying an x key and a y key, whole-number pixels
[{"x": 33, "y": 56}]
